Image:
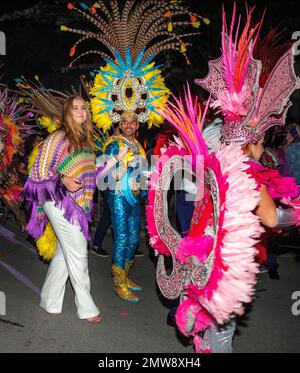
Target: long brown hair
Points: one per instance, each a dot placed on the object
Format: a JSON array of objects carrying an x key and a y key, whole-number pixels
[
  {"x": 78, "y": 136},
  {"x": 247, "y": 150}
]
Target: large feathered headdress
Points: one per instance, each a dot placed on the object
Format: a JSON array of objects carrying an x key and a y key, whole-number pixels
[
  {"x": 45, "y": 103},
  {"x": 249, "y": 109},
  {"x": 12, "y": 127},
  {"x": 13, "y": 132},
  {"x": 130, "y": 39}
]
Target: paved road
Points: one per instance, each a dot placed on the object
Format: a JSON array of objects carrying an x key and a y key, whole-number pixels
[{"x": 269, "y": 326}]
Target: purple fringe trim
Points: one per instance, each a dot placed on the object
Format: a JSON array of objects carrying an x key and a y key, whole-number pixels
[
  {"x": 43, "y": 191},
  {"x": 37, "y": 223},
  {"x": 37, "y": 193},
  {"x": 75, "y": 215}
]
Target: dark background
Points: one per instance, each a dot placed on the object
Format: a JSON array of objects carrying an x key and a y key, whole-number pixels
[{"x": 36, "y": 46}]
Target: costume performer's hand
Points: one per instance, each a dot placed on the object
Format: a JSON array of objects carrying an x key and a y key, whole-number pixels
[
  {"x": 122, "y": 153},
  {"x": 71, "y": 183}
]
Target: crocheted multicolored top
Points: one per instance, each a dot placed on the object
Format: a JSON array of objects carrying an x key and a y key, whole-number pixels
[{"x": 43, "y": 183}]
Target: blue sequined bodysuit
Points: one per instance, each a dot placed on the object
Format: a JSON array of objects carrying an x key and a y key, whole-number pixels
[{"x": 123, "y": 199}]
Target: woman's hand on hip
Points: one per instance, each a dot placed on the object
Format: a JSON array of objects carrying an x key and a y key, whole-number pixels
[{"x": 71, "y": 183}]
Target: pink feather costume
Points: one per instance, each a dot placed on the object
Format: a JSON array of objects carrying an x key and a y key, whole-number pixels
[
  {"x": 214, "y": 272},
  {"x": 214, "y": 268}
]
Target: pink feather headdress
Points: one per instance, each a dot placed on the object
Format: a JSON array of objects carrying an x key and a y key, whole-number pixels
[{"x": 233, "y": 81}]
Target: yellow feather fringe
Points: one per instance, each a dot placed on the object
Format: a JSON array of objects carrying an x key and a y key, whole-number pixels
[{"x": 46, "y": 244}]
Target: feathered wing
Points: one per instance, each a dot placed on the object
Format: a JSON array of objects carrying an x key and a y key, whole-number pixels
[
  {"x": 273, "y": 99},
  {"x": 251, "y": 94},
  {"x": 269, "y": 50},
  {"x": 277, "y": 79}
]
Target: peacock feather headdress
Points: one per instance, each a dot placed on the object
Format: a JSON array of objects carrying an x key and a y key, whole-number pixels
[{"x": 130, "y": 39}]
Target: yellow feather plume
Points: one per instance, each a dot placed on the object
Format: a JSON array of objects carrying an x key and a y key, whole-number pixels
[
  {"x": 46, "y": 244},
  {"x": 50, "y": 124}
]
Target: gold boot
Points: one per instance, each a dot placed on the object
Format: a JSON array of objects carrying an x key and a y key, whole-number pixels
[
  {"x": 131, "y": 285},
  {"x": 120, "y": 285}
]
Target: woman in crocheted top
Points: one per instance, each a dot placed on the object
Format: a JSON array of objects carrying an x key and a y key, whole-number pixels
[{"x": 59, "y": 191}]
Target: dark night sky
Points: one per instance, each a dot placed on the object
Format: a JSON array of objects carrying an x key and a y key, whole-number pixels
[{"x": 36, "y": 46}]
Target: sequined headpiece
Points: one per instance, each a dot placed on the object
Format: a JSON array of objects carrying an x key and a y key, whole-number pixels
[
  {"x": 249, "y": 109},
  {"x": 129, "y": 114}
]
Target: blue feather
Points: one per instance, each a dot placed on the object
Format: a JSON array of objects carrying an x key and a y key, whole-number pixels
[
  {"x": 138, "y": 60},
  {"x": 103, "y": 90},
  {"x": 149, "y": 100},
  {"x": 109, "y": 73},
  {"x": 156, "y": 89},
  {"x": 146, "y": 71},
  {"x": 150, "y": 81},
  {"x": 128, "y": 59},
  {"x": 146, "y": 63},
  {"x": 143, "y": 70},
  {"x": 107, "y": 81},
  {"x": 120, "y": 60},
  {"x": 108, "y": 102},
  {"x": 113, "y": 65},
  {"x": 105, "y": 110},
  {"x": 84, "y": 6}
]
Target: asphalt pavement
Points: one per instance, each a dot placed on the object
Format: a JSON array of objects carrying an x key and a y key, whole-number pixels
[{"x": 268, "y": 326}]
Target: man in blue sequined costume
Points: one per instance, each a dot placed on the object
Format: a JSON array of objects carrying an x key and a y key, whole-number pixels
[{"x": 124, "y": 204}]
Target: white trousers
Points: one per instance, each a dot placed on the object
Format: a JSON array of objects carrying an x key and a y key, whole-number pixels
[{"x": 70, "y": 260}]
